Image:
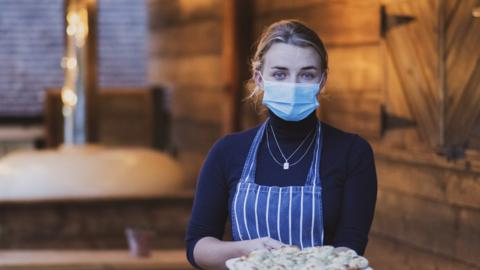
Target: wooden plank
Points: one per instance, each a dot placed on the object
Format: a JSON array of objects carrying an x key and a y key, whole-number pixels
[
  {"x": 415, "y": 66},
  {"x": 426, "y": 158},
  {"x": 195, "y": 71},
  {"x": 237, "y": 41},
  {"x": 85, "y": 259},
  {"x": 192, "y": 162},
  {"x": 199, "y": 103},
  {"x": 52, "y": 111},
  {"x": 468, "y": 241},
  {"x": 337, "y": 22},
  {"x": 463, "y": 72},
  {"x": 395, "y": 99},
  {"x": 402, "y": 217},
  {"x": 353, "y": 113},
  {"x": 126, "y": 116},
  {"x": 474, "y": 141},
  {"x": 271, "y": 6},
  {"x": 442, "y": 69},
  {"x": 91, "y": 80},
  {"x": 462, "y": 189},
  {"x": 194, "y": 135},
  {"x": 186, "y": 40},
  {"x": 458, "y": 20},
  {"x": 386, "y": 253},
  {"x": 355, "y": 70},
  {"x": 461, "y": 50},
  {"x": 166, "y": 13},
  {"x": 412, "y": 179},
  {"x": 461, "y": 116},
  {"x": 396, "y": 106}
]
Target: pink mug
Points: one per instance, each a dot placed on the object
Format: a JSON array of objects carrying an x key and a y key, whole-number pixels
[{"x": 139, "y": 241}]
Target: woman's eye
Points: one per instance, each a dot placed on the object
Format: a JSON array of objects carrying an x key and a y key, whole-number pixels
[
  {"x": 308, "y": 76},
  {"x": 279, "y": 75}
]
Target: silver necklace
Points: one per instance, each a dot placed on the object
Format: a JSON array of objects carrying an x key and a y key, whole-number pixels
[{"x": 286, "y": 165}]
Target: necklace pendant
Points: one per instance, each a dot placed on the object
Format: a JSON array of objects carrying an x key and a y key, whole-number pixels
[{"x": 286, "y": 165}]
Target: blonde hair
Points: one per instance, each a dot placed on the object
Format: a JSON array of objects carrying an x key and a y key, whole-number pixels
[{"x": 291, "y": 32}]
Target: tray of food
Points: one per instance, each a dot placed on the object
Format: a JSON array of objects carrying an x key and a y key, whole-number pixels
[{"x": 292, "y": 258}]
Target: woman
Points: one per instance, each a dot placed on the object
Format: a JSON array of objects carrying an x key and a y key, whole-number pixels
[{"x": 291, "y": 180}]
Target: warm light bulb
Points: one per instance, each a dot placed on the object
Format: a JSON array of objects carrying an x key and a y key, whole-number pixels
[
  {"x": 69, "y": 62},
  {"x": 72, "y": 17},
  {"x": 67, "y": 111},
  {"x": 69, "y": 97},
  {"x": 71, "y": 30},
  {"x": 476, "y": 12}
]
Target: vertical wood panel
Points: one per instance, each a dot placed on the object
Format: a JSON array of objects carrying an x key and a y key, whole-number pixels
[
  {"x": 237, "y": 40},
  {"x": 91, "y": 93},
  {"x": 346, "y": 22},
  {"x": 463, "y": 73},
  {"x": 185, "y": 45},
  {"x": 412, "y": 45}
]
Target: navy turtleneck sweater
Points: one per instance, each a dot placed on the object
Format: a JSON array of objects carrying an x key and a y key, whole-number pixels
[{"x": 349, "y": 183}]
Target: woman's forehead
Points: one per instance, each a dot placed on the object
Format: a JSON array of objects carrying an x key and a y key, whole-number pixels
[{"x": 291, "y": 56}]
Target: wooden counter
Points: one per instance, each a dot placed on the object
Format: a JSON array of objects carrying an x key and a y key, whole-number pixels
[{"x": 91, "y": 260}]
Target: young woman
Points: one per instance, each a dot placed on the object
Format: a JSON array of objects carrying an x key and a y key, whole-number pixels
[{"x": 292, "y": 180}]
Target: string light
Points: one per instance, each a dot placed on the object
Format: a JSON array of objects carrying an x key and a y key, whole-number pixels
[
  {"x": 476, "y": 12},
  {"x": 69, "y": 97},
  {"x": 72, "y": 63},
  {"x": 69, "y": 62}
]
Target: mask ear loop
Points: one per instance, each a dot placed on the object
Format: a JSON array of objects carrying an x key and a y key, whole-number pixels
[
  {"x": 261, "y": 77},
  {"x": 257, "y": 87},
  {"x": 322, "y": 82}
]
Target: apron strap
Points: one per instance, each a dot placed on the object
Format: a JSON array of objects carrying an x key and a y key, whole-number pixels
[
  {"x": 313, "y": 178},
  {"x": 249, "y": 167}
]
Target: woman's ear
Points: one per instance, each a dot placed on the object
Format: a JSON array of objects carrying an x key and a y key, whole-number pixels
[
  {"x": 323, "y": 80},
  {"x": 258, "y": 79}
]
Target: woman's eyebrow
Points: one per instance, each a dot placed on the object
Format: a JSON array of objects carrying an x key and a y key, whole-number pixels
[
  {"x": 279, "y": 67},
  {"x": 309, "y": 67}
]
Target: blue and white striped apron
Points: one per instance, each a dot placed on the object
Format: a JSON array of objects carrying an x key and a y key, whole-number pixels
[{"x": 292, "y": 214}]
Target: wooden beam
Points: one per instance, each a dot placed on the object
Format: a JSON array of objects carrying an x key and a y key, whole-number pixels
[
  {"x": 441, "y": 69},
  {"x": 91, "y": 93},
  {"x": 237, "y": 39}
]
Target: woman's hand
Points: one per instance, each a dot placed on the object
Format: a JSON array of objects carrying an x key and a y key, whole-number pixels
[
  {"x": 247, "y": 246},
  {"x": 211, "y": 253}
]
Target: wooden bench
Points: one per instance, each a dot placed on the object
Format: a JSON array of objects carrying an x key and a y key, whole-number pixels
[{"x": 91, "y": 260}]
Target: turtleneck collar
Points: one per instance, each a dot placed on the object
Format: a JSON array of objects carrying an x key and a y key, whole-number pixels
[{"x": 292, "y": 130}]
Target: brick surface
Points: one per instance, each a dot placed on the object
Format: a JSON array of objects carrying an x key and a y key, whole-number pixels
[
  {"x": 122, "y": 40},
  {"x": 32, "y": 46}
]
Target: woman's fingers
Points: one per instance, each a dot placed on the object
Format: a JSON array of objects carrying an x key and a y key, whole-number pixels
[
  {"x": 342, "y": 249},
  {"x": 272, "y": 243}
]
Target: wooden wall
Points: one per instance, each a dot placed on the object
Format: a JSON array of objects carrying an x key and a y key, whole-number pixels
[
  {"x": 185, "y": 54},
  {"x": 97, "y": 224},
  {"x": 350, "y": 30},
  {"x": 428, "y": 211},
  {"x": 411, "y": 90}
]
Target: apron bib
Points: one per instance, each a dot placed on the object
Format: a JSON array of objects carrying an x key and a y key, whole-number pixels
[{"x": 292, "y": 214}]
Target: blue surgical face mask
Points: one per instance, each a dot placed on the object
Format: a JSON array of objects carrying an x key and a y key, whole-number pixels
[{"x": 291, "y": 101}]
